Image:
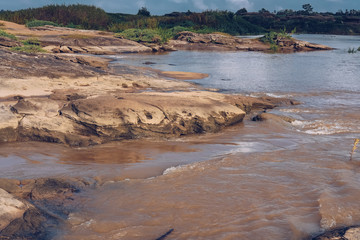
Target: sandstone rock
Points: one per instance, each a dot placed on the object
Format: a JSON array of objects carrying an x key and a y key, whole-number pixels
[
  {"x": 353, "y": 233},
  {"x": 21, "y": 65},
  {"x": 65, "y": 49},
  {"x": 151, "y": 114},
  {"x": 7, "y": 42},
  {"x": 52, "y": 49},
  {"x": 8, "y": 124},
  {"x": 51, "y": 203},
  {"x": 96, "y": 62},
  {"x": 346, "y": 233},
  {"x": 10, "y": 209},
  {"x": 273, "y": 117}
]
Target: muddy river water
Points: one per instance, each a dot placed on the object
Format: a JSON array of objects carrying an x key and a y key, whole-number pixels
[{"x": 255, "y": 180}]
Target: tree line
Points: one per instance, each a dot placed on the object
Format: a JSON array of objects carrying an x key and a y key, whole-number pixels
[{"x": 235, "y": 23}]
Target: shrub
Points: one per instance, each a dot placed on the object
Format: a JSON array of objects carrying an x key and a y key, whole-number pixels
[
  {"x": 7, "y": 35},
  {"x": 71, "y": 25},
  {"x": 39, "y": 23},
  {"x": 271, "y": 37},
  {"x": 352, "y": 50},
  {"x": 141, "y": 35}
]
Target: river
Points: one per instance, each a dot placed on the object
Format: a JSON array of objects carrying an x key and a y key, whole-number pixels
[{"x": 255, "y": 180}]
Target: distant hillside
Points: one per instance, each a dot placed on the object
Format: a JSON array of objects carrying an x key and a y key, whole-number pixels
[
  {"x": 84, "y": 16},
  {"x": 238, "y": 23}
]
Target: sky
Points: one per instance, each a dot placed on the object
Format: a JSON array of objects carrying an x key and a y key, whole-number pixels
[{"x": 160, "y": 7}]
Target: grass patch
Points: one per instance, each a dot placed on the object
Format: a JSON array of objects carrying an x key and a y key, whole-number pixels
[
  {"x": 31, "y": 41},
  {"x": 39, "y": 23},
  {"x": 31, "y": 45},
  {"x": 28, "y": 49},
  {"x": 7, "y": 35}
]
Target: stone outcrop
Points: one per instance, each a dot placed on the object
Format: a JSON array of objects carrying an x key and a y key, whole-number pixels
[
  {"x": 86, "y": 121},
  {"x": 195, "y": 41},
  {"x": 81, "y": 120}
]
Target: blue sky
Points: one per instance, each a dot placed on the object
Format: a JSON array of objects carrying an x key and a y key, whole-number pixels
[{"x": 159, "y": 7}]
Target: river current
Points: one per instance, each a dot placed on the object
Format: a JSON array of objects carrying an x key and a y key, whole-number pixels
[{"x": 255, "y": 180}]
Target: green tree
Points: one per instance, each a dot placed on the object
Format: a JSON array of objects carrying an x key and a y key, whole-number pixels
[
  {"x": 308, "y": 8},
  {"x": 143, "y": 12},
  {"x": 263, "y": 10},
  {"x": 241, "y": 11}
]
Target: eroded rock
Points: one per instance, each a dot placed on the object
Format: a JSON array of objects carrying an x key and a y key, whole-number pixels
[
  {"x": 10, "y": 208},
  {"x": 36, "y": 208},
  {"x": 346, "y": 233}
]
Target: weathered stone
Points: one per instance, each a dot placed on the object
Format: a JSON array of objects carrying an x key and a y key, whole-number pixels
[
  {"x": 345, "y": 233},
  {"x": 8, "y": 124},
  {"x": 353, "y": 233},
  {"x": 273, "y": 117},
  {"x": 10, "y": 209},
  {"x": 7, "y": 42},
  {"x": 51, "y": 202}
]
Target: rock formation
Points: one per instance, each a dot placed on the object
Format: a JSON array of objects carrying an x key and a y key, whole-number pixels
[
  {"x": 195, "y": 41},
  {"x": 34, "y": 209}
]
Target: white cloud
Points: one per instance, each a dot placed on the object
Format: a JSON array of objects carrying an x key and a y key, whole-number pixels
[
  {"x": 240, "y": 3},
  {"x": 141, "y": 3},
  {"x": 200, "y": 4}
]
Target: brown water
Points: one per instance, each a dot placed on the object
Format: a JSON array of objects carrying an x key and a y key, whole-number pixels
[{"x": 256, "y": 180}]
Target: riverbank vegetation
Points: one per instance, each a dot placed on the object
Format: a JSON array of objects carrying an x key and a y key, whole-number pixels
[
  {"x": 240, "y": 22},
  {"x": 7, "y": 35},
  {"x": 31, "y": 45}
]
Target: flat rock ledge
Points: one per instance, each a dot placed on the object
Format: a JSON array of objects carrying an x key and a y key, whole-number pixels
[
  {"x": 76, "y": 119},
  {"x": 36, "y": 208}
]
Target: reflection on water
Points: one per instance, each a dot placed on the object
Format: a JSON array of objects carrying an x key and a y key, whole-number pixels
[{"x": 257, "y": 180}]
